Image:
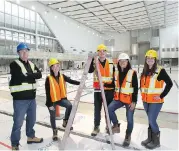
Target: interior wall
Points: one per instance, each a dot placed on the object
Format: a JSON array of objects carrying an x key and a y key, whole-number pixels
[{"x": 143, "y": 47}]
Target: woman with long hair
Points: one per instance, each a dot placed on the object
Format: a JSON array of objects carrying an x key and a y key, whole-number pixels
[
  {"x": 56, "y": 94},
  {"x": 152, "y": 82},
  {"x": 126, "y": 90}
]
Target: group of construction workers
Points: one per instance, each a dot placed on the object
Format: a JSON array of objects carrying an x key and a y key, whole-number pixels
[{"x": 120, "y": 86}]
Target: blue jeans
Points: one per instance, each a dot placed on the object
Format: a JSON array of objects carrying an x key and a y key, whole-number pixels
[
  {"x": 152, "y": 110},
  {"x": 22, "y": 107},
  {"x": 113, "y": 106},
  {"x": 64, "y": 103}
]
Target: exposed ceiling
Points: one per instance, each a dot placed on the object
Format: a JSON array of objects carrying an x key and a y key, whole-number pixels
[{"x": 118, "y": 15}]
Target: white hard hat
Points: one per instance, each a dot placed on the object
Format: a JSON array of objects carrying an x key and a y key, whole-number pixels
[{"x": 123, "y": 56}]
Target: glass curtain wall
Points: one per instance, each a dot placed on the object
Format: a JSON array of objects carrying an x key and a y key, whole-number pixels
[{"x": 18, "y": 24}]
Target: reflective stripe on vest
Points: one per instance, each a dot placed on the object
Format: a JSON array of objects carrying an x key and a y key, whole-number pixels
[
  {"x": 152, "y": 90},
  {"x": 23, "y": 87},
  {"x": 151, "y": 87},
  {"x": 106, "y": 74},
  {"x": 104, "y": 79},
  {"x": 57, "y": 90},
  {"x": 124, "y": 91},
  {"x": 23, "y": 69},
  {"x": 127, "y": 88}
]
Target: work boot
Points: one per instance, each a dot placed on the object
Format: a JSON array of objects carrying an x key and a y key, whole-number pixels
[
  {"x": 149, "y": 139},
  {"x": 107, "y": 129},
  {"x": 15, "y": 147},
  {"x": 95, "y": 131},
  {"x": 65, "y": 124},
  {"x": 155, "y": 141},
  {"x": 34, "y": 140},
  {"x": 55, "y": 135},
  {"x": 127, "y": 140},
  {"x": 116, "y": 128}
]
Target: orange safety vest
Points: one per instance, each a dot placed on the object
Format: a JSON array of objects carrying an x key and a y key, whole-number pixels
[
  {"x": 124, "y": 92},
  {"x": 106, "y": 75},
  {"x": 57, "y": 90},
  {"x": 151, "y": 87}
]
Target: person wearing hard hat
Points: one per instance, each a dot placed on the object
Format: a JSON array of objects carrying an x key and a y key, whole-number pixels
[
  {"x": 152, "y": 82},
  {"x": 126, "y": 90},
  {"x": 56, "y": 94},
  {"x": 23, "y": 90},
  {"x": 107, "y": 70}
]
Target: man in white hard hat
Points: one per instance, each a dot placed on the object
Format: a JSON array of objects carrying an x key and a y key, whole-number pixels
[{"x": 126, "y": 90}]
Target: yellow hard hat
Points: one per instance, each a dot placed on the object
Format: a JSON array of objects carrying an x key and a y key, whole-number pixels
[
  {"x": 101, "y": 47},
  {"x": 151, "y": 53},
  {"x": 52, "y": 61}
]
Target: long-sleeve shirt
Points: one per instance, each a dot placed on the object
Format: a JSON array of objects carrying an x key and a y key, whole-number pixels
[
  {"x": 165, "y": 77},
  {"x": 122, "y": 75},
  {"x": 92, "y": 68},
  {"x": 49, "y": 102},
  {"x": 17, "y": 78}
]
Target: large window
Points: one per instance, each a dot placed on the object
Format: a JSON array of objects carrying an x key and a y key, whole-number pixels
[
  {"x": 2, "y": 34},
  {"x": 15, "y": 10},
  {"x": 8, "y": 7},
  {"x": 21, "y": 12},
  {"x": 26, "y": 22},
  {"x": 1, "y": 6}
]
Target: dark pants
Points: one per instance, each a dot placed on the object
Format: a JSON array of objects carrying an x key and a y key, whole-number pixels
[
  {"x": 64, "y": 103},
  {"x": 22, "y": 107},
  {"x": 152, "y": 110},
  {"x": 129, "y": 114},
  {"x": 98, "y": 104}
]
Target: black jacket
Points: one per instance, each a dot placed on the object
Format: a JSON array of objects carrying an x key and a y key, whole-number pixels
[
  {"x": 92, "y": 68},
  {"x": 122, "y": 75},
  {"x": 17, "y": 78},
  {"x": 165, "y": 77},
  {"x": 49, "y": 102}
]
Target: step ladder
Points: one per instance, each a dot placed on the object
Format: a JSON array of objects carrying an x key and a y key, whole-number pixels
[{"x": 62, "y": 143}]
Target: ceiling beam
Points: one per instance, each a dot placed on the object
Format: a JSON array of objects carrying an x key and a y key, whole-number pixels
[
  {"x": 112, "y": 16},
  {"x": 147, "y": 12},
  {"x": 94, "y": 14}
]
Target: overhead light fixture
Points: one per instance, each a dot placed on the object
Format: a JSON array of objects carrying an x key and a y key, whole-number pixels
[
  {"x": 55, "y": 17},
  {"x": 49, "y": 3},
  {"x": 93, "y": 33},
  {"x": 33, "y": 8},
  {"x": 78, "y": 26},
  {"x": 59, "y": 8},
  {"x": 45, "y": 12}
]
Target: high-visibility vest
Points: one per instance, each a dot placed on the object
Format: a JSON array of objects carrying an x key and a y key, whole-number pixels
[
  {"x": 57, "y": 90},
  {"x": 124, "y": 92},
  {"x": 24, "y": 86},
  {"x": 151, "y": 87},
  {"x": 106, "y": 75}
]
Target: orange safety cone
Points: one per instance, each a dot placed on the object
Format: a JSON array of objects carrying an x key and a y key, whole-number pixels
[
  {"x": 58, "y": 115},
  {"x": 57, "y": 110}
]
